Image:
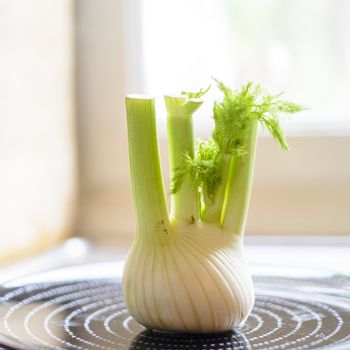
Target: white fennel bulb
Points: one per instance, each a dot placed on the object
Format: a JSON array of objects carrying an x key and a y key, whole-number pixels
[{"x": 194, "y": 280}]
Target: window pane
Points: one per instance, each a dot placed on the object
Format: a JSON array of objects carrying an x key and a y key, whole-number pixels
[{"x": 301, "y": 47}]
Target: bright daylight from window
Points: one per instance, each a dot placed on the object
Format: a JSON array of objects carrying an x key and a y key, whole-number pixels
[{"x": 301, "y": 47}]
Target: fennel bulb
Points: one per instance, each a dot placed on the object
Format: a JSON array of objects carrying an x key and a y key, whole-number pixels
[{"x": 186, "y": 271}]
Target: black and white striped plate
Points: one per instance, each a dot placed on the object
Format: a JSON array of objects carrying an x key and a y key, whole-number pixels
[{"x": 82, "y": 308}]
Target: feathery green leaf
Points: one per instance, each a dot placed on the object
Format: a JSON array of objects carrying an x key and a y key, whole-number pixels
[
  {"x": 203, "y": 170},
  {"x": 237, "y": 111}
]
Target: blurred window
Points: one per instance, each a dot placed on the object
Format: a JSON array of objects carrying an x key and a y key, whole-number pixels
[{"x": 301, "y": 47}]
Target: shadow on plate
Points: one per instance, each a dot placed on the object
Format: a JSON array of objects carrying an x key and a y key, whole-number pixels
[{"x": 180, "y": 341}]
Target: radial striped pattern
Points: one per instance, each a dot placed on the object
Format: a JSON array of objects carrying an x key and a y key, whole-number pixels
[{"x": 289, "y": 314}]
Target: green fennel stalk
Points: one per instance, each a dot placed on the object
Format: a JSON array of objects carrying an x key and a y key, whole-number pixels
[
  {"x": 235, "y": 208},
  {"x": 150, "y": 209},
  {"x": 185, "y": 202}
]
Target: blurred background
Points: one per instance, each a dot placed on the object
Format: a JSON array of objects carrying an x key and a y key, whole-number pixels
[{"x": 65, "y": 67}]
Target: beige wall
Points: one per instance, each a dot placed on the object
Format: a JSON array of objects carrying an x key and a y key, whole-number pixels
[
  {"x": 305, "y": 191},
  {"x": 37, "y": 151}
]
